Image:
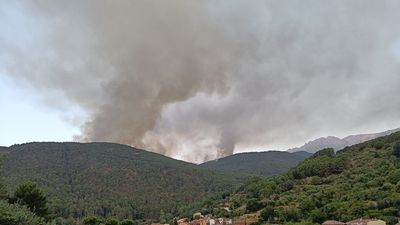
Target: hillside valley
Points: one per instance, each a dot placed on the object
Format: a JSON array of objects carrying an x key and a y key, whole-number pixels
[
  {"x": 257, "y": 163},
  {"x": 107, "y": 179}
]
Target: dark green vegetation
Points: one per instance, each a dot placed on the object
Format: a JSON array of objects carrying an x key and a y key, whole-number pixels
[
  {"x": 106, "y": 179},
  {"x": 359, "y": 181},
  {"x": 14, "y": 214},
  {"x": 31, "y": 196},
  {"x": 258, "y": 163},
  {"x": 12, "y": 210}
]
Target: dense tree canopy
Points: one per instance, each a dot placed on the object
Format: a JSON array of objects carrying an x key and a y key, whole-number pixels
[{"x": 359, "y": 181}]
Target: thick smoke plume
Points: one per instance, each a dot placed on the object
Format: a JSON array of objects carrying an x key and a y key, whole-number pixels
[{"x": 199, "y": 79}]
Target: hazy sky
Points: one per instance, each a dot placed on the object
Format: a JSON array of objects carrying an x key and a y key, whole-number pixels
[{"x": 194, "y": 79}]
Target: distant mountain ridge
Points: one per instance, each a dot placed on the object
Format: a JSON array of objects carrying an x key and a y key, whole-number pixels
[
  {"x": 339, "y": 143},
  {"x": 257, "y": 163}
]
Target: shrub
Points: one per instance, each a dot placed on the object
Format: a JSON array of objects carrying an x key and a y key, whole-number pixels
[
  {"x": 379, "y": 145},
  {"x": 253, "y": 205},
  {"x": 111, "y": 221},
  {"x": 267, "y": 213},
  {"x": 91, "y": 221}
]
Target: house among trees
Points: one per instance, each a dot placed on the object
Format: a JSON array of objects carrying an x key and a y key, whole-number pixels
[
  {"x": 201, "y": 221},
  {"x": 357, "y": 222},
  {"x": 366, "y": 222},
  {"x": 333, "y": 222}
]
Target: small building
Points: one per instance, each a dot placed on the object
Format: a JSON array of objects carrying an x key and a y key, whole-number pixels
[
  {"x": 362, "y": 221},
  {"x": 199, "y": 222},
  {"x": 182, "y": 220},
  {"x": 228, "y": 221},
  {"x": 333, "y": 222}
]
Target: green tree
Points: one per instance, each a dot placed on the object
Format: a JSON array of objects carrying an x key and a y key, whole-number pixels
[
  {"x": 3, "y": 192},
  {"x": 396, "y": 149},
  {"x": 267, "y": 213},
  {"x": 253, "y": 205},
  {"x": 111, "y": 221},
  {"x": 91, "y": 221},
  {"x": 379, "y": 145},
  {"x": 128, "y": 222},
  {"x": 30, "y": 195}
]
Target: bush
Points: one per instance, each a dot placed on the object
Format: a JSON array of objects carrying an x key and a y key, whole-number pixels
[
  {"x": 253, "y": 205},
  {"x": 111, "y": 222},
  {"x": 379, "y": 145},
  {"x": 128, "y": 222},
  {"x": 267, "y": 214},
  {"x": 91, "y": 221},
  {"x": 394, "y": 176}
]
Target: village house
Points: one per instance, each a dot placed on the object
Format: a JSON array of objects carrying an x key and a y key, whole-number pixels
[
  {"x": 333, "y": 222},
  {"x": 202, "y": 221},
  {"x": 158, "y": 224},
  {"x": 197, "y": 215},
  {"x": 366, "y": 222}
]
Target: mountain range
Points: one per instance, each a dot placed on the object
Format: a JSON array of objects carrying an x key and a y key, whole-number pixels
[{"x": 339, "y": 143}]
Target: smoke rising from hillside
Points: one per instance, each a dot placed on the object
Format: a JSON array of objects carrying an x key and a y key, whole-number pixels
[{"x": 199, "y": 79}]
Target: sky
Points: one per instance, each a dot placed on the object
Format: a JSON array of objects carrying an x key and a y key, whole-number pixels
[
  {"x": 197, "y": 80},
  {"x": 24, "y": 118}
]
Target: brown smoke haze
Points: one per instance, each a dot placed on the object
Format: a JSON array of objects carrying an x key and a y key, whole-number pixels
[{"x": 198, "y": 79}]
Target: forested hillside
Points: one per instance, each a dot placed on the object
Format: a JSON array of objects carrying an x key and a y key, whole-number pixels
[
  {"x": 258, "y": 163},
  {"x": 358, "y": 181},
  {"x": 110, "y": 179}
]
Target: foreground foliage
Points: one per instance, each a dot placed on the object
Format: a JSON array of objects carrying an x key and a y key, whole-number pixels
[
  {"x": 359, "y": 181},
  {"x": 14, "y": 214}
]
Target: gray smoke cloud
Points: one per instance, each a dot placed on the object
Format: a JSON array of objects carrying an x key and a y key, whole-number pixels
[{"x": 200, "y": 79}]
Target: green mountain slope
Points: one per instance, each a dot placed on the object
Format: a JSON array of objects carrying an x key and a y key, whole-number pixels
[
  {"x": 110, "y": 179},
  {"x": 257, "y": 163},
  {"x": 359, "y": 181}
]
